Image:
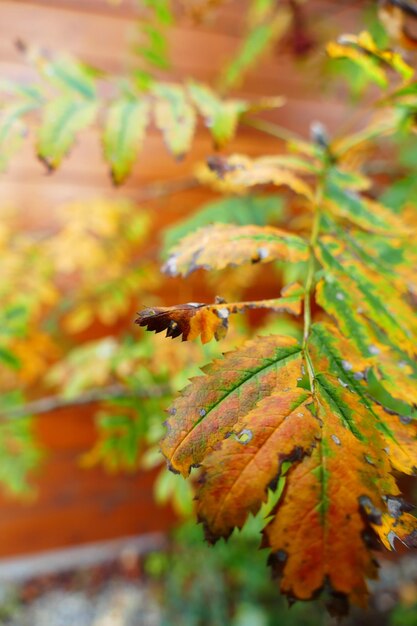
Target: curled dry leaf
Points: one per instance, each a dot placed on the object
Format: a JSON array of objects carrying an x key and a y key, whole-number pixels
[
  {"x": 187, "y": 320},
  {"x": 211, "y": 320}
]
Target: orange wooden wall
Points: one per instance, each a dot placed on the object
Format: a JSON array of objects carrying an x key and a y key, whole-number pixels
[{"x": 74, "y": 505}]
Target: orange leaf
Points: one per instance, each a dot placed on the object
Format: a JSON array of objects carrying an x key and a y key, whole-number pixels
[{"x": 211, "y": 320}]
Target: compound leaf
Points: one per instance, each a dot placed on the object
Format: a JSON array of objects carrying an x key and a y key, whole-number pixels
[{"x": 254, "y": 410}]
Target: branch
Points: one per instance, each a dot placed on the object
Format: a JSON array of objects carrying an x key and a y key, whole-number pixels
[
  {"x": 165, "y": 188},
  {"x": 270, "y": 128},
  {"x": 111, "y": 392}
]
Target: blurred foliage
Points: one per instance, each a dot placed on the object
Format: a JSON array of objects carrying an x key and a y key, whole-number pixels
[
  {"x": 267, "y": 21},
  {"x": 73, "y": 335},
  {"x": 229, "y": 583},
  {"x": 69, "y": 96}
]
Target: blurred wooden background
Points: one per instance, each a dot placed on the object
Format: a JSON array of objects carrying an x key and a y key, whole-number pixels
[{"x": 74, "y": 505}]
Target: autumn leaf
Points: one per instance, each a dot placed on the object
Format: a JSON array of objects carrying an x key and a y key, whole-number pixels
[
  {"x": 222, "y": 245},
  {"x": 237, "y": 173},
  {"x": 257, "y": 209},
  {"x": 363, "y": 51},
  {"x": 211, "y": 320},
  {"x": 357, "y": 297},
  {"x": 208, "y": 409},
  {"x": 187, "y": 320},
  {"x": 361, "y": 211},
  {"x": 393, "y": 18},
  {"x": 264, "y": 31},
  {"x": 252, "y": 411}
]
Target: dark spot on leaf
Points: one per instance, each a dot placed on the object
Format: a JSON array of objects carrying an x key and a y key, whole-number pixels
[
  {"x": 370, "y": 539},
  {"x": 276, "y": 561},
  {"x": 219, "y": 165},
  {"x": 295, "y": 455},
  {"x": 372, "y": 513},
  {"x": 405, "y": 419}
]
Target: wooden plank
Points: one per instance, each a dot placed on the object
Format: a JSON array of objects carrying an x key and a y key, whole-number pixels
[
  {"x": 84, "y": 35},
  {"x": 76, "y": 506},
  {"x": 225, "y": 19}
]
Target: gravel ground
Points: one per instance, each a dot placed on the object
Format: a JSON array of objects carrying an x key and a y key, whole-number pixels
[{"x": 118, "y": 603}]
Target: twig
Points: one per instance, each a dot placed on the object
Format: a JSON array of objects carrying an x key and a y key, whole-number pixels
[
  {"x": 165, "y": 188},
  {"x": 111, "y": 392},
  {"x": 270, "y": 128}
]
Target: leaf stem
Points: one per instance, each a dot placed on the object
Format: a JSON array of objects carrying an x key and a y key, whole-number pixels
[
  {"x": 270, "y": 128},
  {"x": 49, "y": 404},
  {"x": 310, "y": 276}
]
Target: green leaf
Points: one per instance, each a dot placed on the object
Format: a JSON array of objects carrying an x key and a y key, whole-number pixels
[
  {"x": 362, "y": 211},
  {"x": 62, "y": 119},
  {"x": 162, "y": 10},
  {"x": 71, "y": 77},
  {"x": 221, "y": 116},
  {"x": 368, "y": 65},
  {"x": 258, "y": 210},
  {"x": 12, "y": 131},
  {"x": 124, "y": 133},
  {"x": 12, "y": 127},
  {"x": 257, "y": 42},
  {"x": 19, "y": 455},
  {"x": 358, "y": 297},
  {"x": 155, "y": 51},
  {"x": 8, "y": 358},
  {"x": 175, "y": 117}
]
